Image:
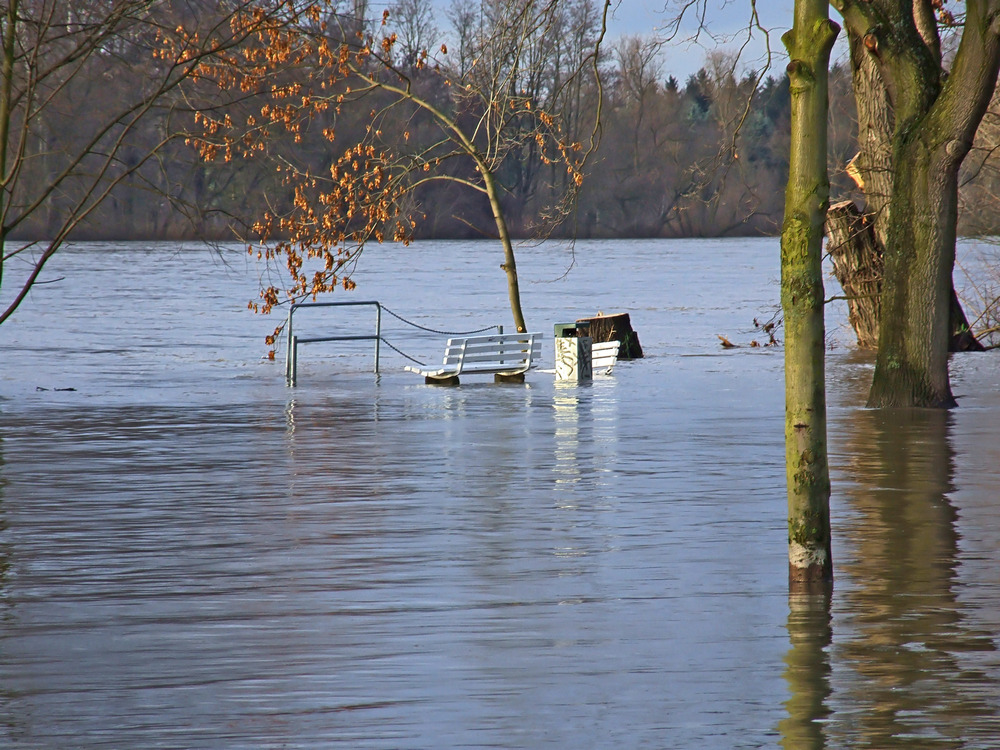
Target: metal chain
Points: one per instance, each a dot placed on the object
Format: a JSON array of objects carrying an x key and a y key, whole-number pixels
[
  {"x": 399, "y": 351},
  {"x": 432, "y": 330}
]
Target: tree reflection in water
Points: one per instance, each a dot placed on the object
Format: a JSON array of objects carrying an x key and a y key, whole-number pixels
[
  {"x": 807, "y": 672},
  {"x": 898, "y": 667}
]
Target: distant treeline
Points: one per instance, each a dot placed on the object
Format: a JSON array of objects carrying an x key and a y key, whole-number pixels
[{"x": 706, "y": 157}]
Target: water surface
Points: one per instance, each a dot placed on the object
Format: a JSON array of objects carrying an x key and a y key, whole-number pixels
[{"x": 193, "y": 555}]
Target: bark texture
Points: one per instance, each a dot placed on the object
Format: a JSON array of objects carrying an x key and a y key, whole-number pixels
[
  {"x": 509, "y": 265},
  {"x": 911, "y": 367},
  {"x": 875, "y": 125},
  {"x": 810, "y": 563},
  {"x": 933, "y": 118},
  {"x": 856, "y": 254},
  {"x": 8, "y": 33},
  {"x": 858, "y": 238},
  {"x": 857, "y": 264}
]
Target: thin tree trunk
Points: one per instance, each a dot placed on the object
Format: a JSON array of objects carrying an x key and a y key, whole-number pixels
[
  {"x": 810, "y": 563},
  {"x": 6, "y": 89},
  {"x": 509, "y": 264}
]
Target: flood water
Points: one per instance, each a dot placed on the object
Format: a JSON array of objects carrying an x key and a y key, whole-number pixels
[{"x": 193, "y": 555}]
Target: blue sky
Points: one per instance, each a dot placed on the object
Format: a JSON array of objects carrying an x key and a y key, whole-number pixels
[
  {"x": 726, "y": 19},
  {"x": 727, "y": 23}
]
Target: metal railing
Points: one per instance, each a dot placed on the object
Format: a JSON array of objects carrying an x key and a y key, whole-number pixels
[{"x": 292, "y": 354}]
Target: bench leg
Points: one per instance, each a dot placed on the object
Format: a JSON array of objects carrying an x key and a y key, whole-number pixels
[
  {"x": 517, "y": 377},
  {"x": 453, "y": 380}
]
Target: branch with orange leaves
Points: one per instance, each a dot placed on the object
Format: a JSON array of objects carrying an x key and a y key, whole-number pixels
[{"x": 469, "y": 128}]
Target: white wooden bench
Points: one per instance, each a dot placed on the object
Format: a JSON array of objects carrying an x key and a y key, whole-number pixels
[
  {"x": 603, "y": 357},
  {"x": 507, "y": 356}
]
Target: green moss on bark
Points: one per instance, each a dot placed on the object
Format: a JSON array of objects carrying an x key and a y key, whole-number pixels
[{"x": 806, "y": 197}]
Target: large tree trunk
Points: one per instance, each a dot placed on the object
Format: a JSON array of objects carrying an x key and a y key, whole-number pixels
[
  {"x": 934, "y": 119},
  {"x": 857, "y": 239},
  {"x": 911, "y": 368},
  {"x": 810, "y": 563}
]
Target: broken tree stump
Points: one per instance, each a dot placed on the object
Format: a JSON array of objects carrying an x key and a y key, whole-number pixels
[
  {"x": 858, "y": 266},
  {"x": 616, "y": 327}
]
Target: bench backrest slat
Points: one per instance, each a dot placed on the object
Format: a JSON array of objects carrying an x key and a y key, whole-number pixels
[
  {"x": 604, "y": 355},
  {"x": 487, "y": 353},
  {"x": 499, "y": 355}
]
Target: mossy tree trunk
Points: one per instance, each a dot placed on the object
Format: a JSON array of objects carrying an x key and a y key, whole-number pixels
[
  {"x": 935, "y": 118},
  {"x": 911, "y": 367},
  {"x": 810, "y": 565},
  {"x": 858, "y": 239}
]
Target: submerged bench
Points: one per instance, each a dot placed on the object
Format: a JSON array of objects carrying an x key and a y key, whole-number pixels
[
  {"x": 506, "y": 356},
  {"x": 603, "y": 356}
]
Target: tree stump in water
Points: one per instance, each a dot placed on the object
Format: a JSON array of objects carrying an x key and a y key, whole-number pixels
[
  {"x": 858, "y": 266},
  {"x": 616, "y": 327}
]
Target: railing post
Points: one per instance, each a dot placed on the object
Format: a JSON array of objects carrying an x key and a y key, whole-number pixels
[
  {"x": 378, "y": 332},
  {"x": 290, "y": 348},
  {"x": 291, "y": 356}
]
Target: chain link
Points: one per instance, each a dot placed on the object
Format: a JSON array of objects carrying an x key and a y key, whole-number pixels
[
  {"x": 432, "y": 330},
  {"x": 401, "y": 352}
]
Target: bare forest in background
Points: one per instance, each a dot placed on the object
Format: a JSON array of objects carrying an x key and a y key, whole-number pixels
[{"x": 704, "y": 157}]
